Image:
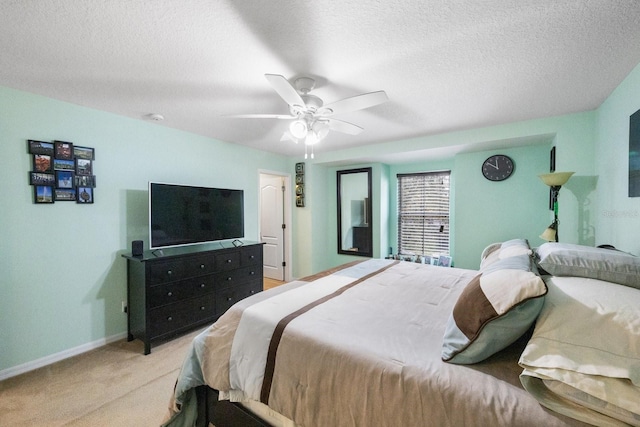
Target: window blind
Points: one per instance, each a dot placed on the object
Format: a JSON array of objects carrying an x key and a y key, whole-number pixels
[{"x": 423, "y": 213}]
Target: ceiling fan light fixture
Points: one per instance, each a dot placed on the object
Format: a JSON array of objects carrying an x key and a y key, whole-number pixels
[
  {"x": 304, "y": 85},
  {"x": 320, "y": 129},
  {"x": 298, "y": 128}
]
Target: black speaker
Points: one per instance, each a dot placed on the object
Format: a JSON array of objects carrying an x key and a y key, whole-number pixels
[{"x": 136, "y": 248}]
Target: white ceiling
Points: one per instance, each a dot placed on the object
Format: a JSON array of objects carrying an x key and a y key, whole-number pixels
[{"x": 446, "y": 65}]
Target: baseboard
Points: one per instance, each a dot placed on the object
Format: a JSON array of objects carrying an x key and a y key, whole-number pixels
[{"x": 53, "y": 358}]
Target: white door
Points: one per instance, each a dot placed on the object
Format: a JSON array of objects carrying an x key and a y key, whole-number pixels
[{"x": 271, "y": 225}]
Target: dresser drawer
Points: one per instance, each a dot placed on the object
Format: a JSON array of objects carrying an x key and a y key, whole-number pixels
[
  {"x": 203, "y": 308},
  {"x": 225, "y": 298},
  {"x": 169, "y": 293},
  {"x": 237, "y": 277},
  {"x": 228, "y": 261},
  {"x": 251, "y": 255},
  {"x": 166, "y": 319},
  {"x": 166, "y": 271},
  {"x": 200, "y": 265}
]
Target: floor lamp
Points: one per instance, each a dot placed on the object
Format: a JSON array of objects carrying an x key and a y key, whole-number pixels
[{"x": 555, "y": 180}]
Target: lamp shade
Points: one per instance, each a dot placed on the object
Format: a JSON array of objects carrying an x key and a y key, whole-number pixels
[
  {"x": 298, "y": 128},
  {"x": 550, "y": 234},
  {"x": 320, "y": 128},
  {"x": 556, "y": 179}
]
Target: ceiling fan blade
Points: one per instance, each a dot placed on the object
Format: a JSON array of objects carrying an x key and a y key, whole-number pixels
[
  {"x": 286, "y": 136},
  {"x": 285, "y": 90},
  {"x": 260, "y": 116},
  {"x": 344, "y": 127},
  {"x": 358, "y": 102}
]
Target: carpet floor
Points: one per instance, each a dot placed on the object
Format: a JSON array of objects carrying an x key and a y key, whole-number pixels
[{"x": 114, "y": 385}]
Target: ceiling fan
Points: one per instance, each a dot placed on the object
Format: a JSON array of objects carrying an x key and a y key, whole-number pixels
[{"x": 311, "y": 119}]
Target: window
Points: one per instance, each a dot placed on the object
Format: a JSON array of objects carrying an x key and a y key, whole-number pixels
[{"x": 423, "y": 213}]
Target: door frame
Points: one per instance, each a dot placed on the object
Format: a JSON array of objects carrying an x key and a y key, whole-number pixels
[{"x": 287, "y": 211}]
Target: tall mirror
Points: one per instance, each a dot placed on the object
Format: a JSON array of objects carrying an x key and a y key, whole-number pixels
[{"x": 355, "y": 236}]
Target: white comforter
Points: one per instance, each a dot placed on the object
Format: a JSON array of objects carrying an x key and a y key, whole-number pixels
[{"x": 369, "y": 356}]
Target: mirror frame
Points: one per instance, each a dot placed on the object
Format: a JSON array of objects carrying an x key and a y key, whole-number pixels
[{"x": 368, "y": 213}]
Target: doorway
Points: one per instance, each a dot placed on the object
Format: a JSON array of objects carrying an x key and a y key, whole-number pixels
[{"x": 275, "y": 214}]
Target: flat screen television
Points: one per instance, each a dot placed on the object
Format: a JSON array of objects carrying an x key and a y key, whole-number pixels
[{"x": 184, "y": 215}]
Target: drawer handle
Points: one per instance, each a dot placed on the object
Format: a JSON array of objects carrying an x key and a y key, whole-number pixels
[
  {"x": 169, "y": 272},
  {"x": 228, "y": 279},
  {"x": 202, "y": 307},
  {"x": 252, "y": 257},
  {"x": 202, "y": 266},
  {"x": 253, "y": 291},
  {"x": 229, "y": 299},
  {"x": 228, "y": 261},
  {"x": 169, "y": 294},
  {"x": 169, "y": 318},
  {"x": 202, "y": 285},
  {"x": 251, "y": 273}
]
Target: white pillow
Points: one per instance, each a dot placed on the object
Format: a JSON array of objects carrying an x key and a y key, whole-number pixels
[
  {"x": 587, "y": 336},
  {"x": 497, "y": 251},
  {"x": 564, "y": 259}
]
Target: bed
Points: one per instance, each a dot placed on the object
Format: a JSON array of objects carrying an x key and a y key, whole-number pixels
[{"x": 388, "y": 343}]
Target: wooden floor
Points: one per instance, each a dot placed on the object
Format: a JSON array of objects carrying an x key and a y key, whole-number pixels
[{"x": 271, "y": 283}]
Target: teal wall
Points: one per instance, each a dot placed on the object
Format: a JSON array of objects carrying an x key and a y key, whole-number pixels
[
  {"x": 488, "y": 212},
  {"x": 617, "y": 217},
  {"x": 64, "y": 279},
  {"x": 484, "y": 212}
]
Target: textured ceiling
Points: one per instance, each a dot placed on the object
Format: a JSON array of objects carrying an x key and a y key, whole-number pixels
[{"x": 445, "y": 64}]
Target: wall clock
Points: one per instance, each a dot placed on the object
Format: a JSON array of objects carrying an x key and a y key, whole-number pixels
[{"x": 498, "y": 167}]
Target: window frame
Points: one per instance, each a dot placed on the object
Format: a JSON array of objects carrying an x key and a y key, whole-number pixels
[{"x": 427, "y": 218}]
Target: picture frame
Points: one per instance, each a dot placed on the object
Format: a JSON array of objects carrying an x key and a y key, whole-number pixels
[
  {"x": 42, "y": 163},
  {"x": 61, "y": 171},
  {"x": 84, "y": 167},
  {"x": 426, "y": 259},
  {"x": 299, "y": 179},
  {"x": 85, "y": 153},
  {"x": 299, "y": 190},
  {"x": 65, "y": 179},
  {"x": 63, "y": 150},
  {"x": 299, "y": 168},
  {"x": 444, "y": 261},
  {"x": 85, "y": 181},
  {"x": 43, "y": 194},
  {"x": 64, "y": 165},
  {"x": 552, "y": 168},
  {"x": 300, "y": 201},
  {"x": 84, "y": 195},
  {"x": 39, "y": 147},
  {"x": 634, "y": 155},
  {"x": 42, "y": 179},
  {"x": 65, "y": 194}
]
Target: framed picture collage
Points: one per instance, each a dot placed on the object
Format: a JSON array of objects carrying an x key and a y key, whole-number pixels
[{"x": 61, "y": 172}]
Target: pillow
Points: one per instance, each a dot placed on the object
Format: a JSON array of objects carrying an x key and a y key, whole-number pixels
[
  {"x": 564, "y": 259},
  {"x": 498, "y": 251},
  {"x": 586, "y": 337},
  {"x": 495, "y": 309}
]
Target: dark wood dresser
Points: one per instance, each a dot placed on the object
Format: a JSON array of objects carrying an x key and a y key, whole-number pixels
[{"x": 174, "y": 290}]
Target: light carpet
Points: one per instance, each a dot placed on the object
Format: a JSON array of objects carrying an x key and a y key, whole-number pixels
[{"x": 115, "y": 385}]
